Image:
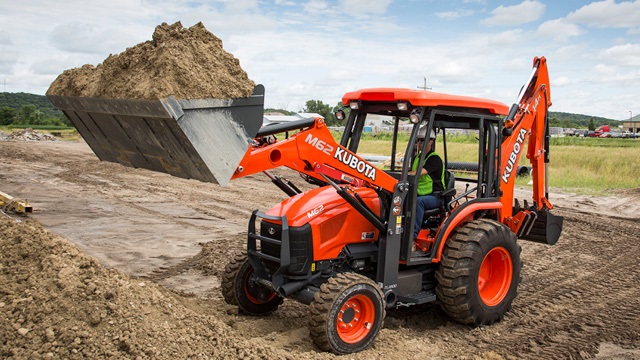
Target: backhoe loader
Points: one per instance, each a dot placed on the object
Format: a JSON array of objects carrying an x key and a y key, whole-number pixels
[{"x": 346, "y": 247}]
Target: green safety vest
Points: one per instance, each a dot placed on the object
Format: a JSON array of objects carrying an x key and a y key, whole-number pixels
[{"x": 425, "y": 185}]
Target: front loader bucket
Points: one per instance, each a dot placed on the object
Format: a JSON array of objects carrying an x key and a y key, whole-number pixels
[
  {"x": 546, "y": 228},
  {"x": 202, "y": 139}
]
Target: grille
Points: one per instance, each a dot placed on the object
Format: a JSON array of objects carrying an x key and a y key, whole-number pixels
[{"x": 300, "y": 247}]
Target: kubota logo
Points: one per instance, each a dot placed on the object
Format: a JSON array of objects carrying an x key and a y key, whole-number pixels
[
  {"x": 513, "y": 157},
  {"x": 355, "y": 163},
  {"x": 343, "y": 156}
]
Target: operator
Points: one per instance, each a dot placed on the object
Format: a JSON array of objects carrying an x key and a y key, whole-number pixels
[{"x": 431, "y": 178}]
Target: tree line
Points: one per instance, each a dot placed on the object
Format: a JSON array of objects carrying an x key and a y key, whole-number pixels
[
  {"x": 578, "y": 121},
  {"x": 32, "y": 109},
  {"x": 29, "y": 109}
]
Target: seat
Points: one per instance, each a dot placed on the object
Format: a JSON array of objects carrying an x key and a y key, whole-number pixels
[{"x": 446, "y": 195}]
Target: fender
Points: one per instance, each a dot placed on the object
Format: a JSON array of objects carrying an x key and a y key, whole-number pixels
[{"x": 460, "y": 216}]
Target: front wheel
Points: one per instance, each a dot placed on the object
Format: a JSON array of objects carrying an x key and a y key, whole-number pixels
[
  {"x": 479, "y": 273},
  {"x": 346, "y": 314},
  {"x": 240, "y": 288}
]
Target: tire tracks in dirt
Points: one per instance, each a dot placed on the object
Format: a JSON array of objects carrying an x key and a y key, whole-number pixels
[{"x": 567, "y": 312}]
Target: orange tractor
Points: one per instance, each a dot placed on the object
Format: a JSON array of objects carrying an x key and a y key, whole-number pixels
[{"x": 346, "y": 248}]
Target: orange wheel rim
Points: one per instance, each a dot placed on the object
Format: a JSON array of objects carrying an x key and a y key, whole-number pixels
[
  {"x": 355, "y": 319},
  {"x": 255, "y": 293},
  {"x": 494, "y": 278}
]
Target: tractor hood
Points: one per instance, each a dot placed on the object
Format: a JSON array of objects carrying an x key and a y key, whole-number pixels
[{"x": 317, "y": 203}]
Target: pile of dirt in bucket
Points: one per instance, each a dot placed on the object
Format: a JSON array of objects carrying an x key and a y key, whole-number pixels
[
  {"x": 188, "y": 63},
  {"x": 56, "y": 302}
]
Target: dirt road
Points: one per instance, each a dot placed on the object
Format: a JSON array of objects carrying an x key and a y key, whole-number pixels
[{"x": 578, "y": 299}]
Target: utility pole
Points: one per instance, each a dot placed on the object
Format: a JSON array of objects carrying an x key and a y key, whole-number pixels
[{"x": 424, "y": 87}]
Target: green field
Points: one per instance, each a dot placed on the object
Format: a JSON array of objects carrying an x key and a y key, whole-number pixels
[{"x": 580, "y": 165}]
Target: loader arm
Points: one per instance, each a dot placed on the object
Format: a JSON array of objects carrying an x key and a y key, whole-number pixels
[
  {"x": 527, "y": 120},
  {"x": 313, "y": 151}
]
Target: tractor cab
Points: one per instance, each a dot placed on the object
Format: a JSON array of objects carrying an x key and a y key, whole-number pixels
[{"x": 468, "y": 137}]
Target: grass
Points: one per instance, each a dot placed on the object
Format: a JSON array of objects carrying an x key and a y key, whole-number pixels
[
  {"x": 590, "y": 169},
  {"x": 579, "y": 165}
]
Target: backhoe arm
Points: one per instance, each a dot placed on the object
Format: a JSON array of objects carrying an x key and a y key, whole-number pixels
[
  {"x": 527, "y": 119},
  {"x": 313, "y": 151}
]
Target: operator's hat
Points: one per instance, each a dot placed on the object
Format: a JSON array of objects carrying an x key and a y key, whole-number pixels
[{"x": 423, "y": 132}]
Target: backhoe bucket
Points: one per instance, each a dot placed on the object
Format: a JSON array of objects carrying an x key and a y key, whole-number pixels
[
  {"x": 546, "y": 228},
  {"x": 202, "y": 139}
]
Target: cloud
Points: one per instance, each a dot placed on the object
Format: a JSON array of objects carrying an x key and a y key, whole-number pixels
[
  {"x": 87, "y": 38},
  {"x": 559, "y": 30},
  {"x": 627, "y": 54},
  {"x": 241, "y": 5},
  {"x": 450, "y": 15},
  {"x": 52, "y": 65},
  {"x": 491, "y": 42},
  {"x": 560, "y": 81},
  {"x": 8, "y": 58},
  {"x": 523, "y": 13},
  {"x": 365, "y": 6},
  {"x": 314, "y": 6},
  {"x": 608, "y": 14},
  {"x": 5, "y": 39}
]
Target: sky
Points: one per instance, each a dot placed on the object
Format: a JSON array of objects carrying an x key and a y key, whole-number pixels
[{"x": 320, "y": 49}]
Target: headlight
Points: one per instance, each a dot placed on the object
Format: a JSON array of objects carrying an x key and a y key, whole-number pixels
[{"x": 414, "y": 117}]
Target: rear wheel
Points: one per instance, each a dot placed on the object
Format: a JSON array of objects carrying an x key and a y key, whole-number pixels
[
  {"x": 240, "y": 288},
  {"x": 479, "y": 273},
  {"x": 346, "y": 314}
]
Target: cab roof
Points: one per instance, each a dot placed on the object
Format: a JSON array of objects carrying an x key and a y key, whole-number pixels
[{"x": 424, "y": 98}]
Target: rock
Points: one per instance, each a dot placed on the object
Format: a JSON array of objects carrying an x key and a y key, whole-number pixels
[{"x": 50, "y": 335}]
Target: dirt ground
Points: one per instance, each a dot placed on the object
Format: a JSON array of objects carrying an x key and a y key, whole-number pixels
[{"x": 143, "y": 281}]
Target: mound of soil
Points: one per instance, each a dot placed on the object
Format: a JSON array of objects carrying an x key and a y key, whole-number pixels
[
  {"x": 27, "y": 135},
  {"x": 56, "y": 302},
  {"x": 188, "y": 63}
]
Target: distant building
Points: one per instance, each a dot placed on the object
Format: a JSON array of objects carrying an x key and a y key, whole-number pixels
[
  {"x": 378, "y": 123},
  {"x": 632, "y": 125},
  {"x": 556, "y": 131}
]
